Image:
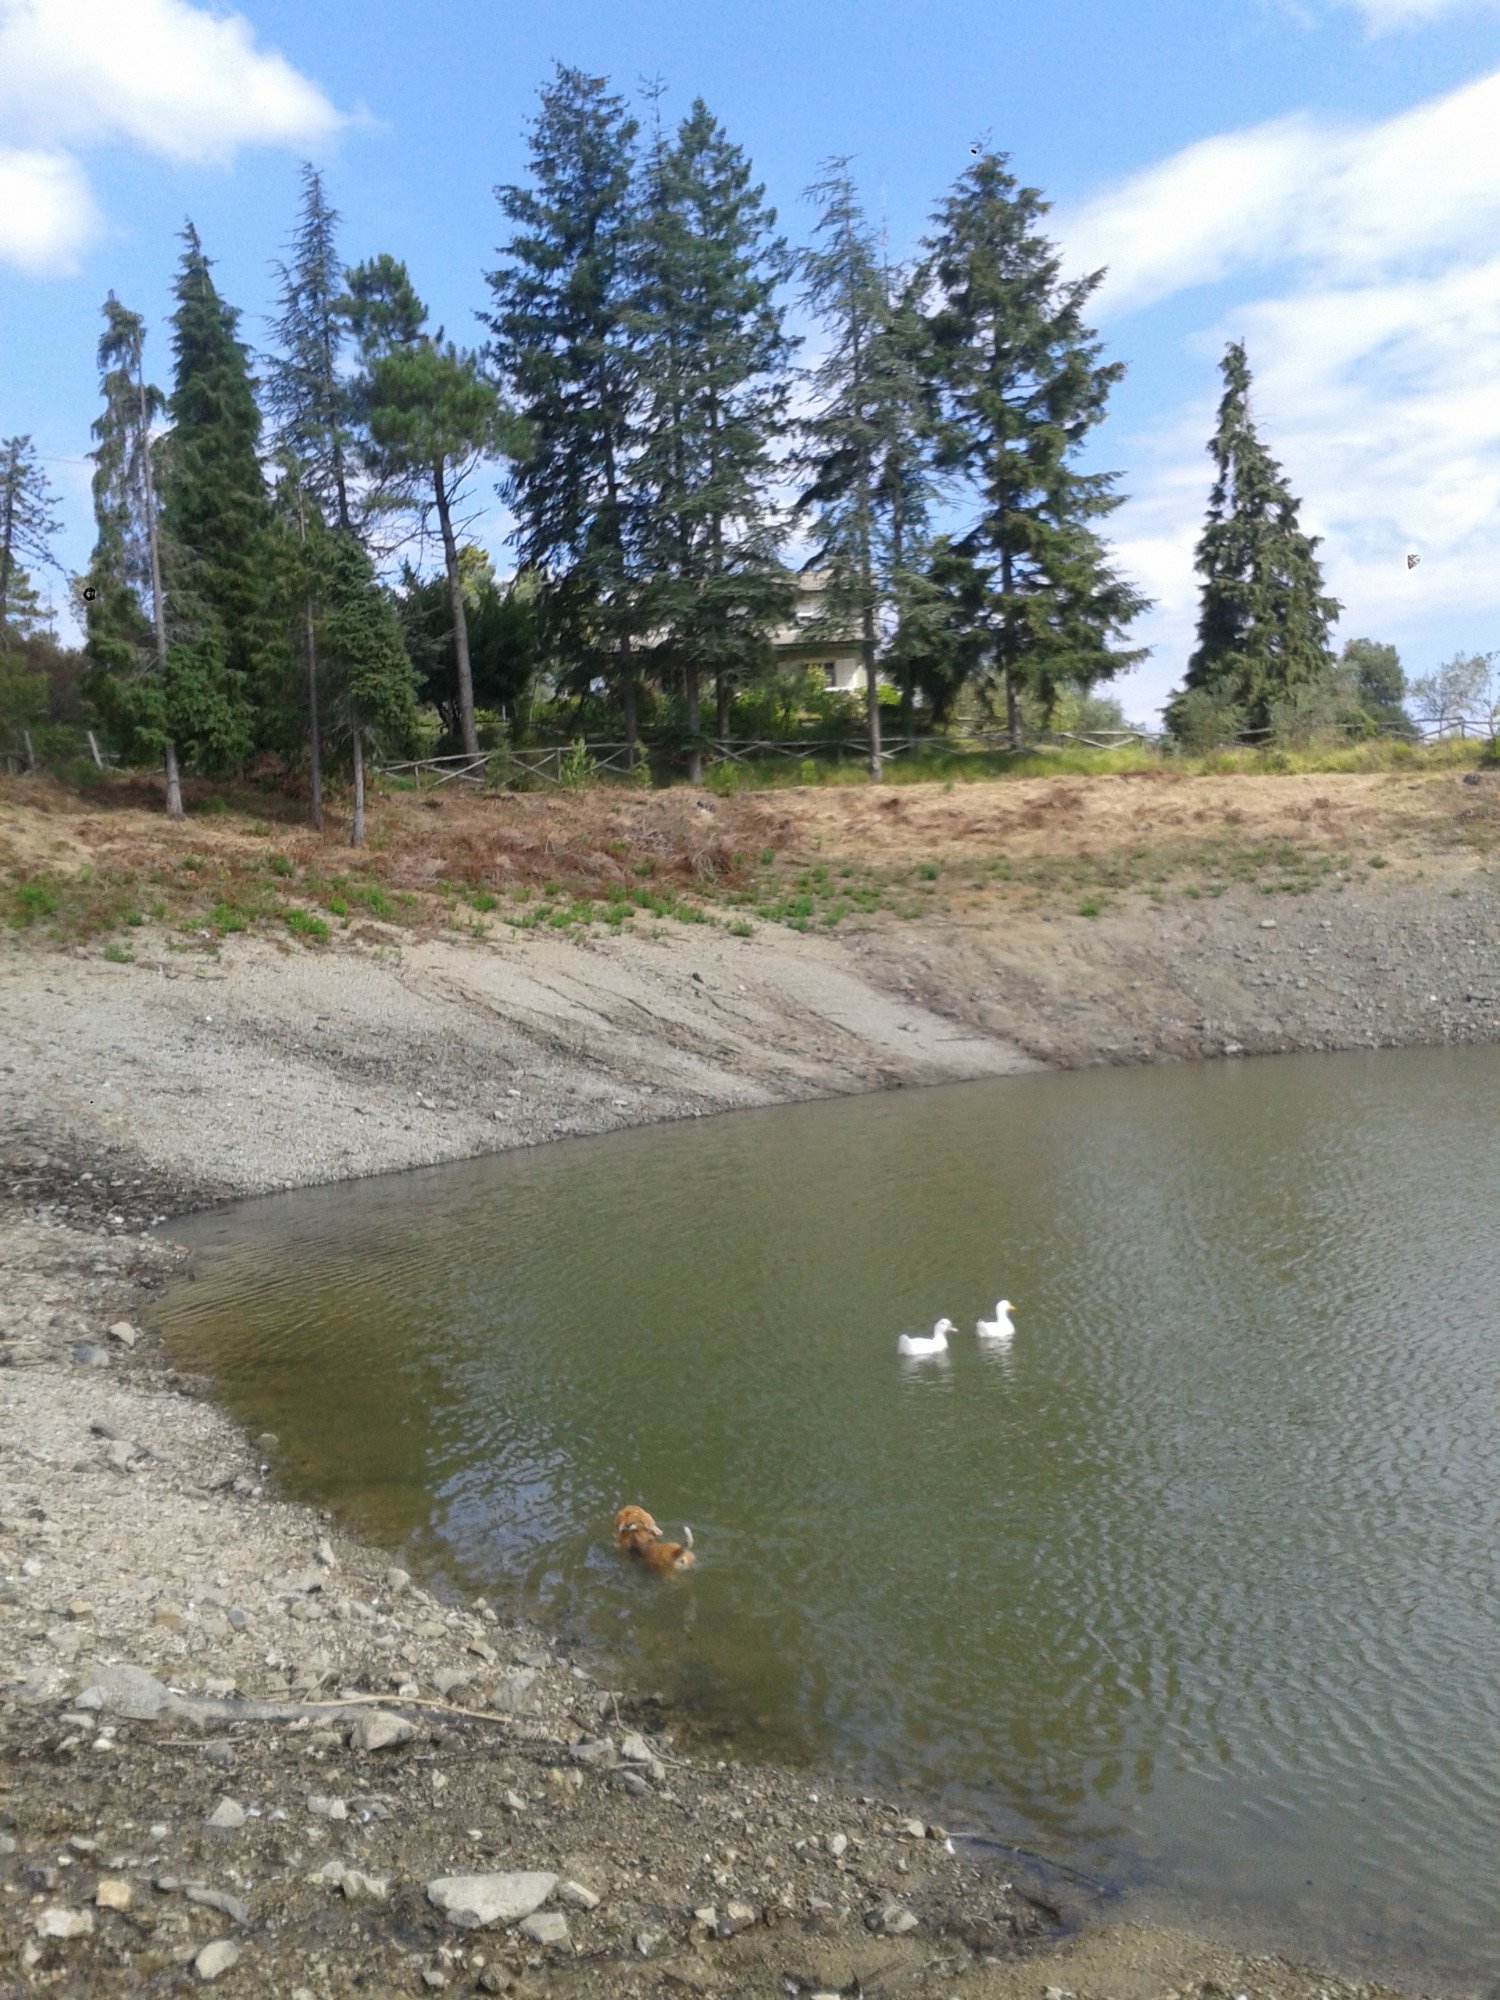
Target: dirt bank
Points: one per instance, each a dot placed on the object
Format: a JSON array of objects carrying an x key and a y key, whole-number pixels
[{"x": 138, "y": 1528}]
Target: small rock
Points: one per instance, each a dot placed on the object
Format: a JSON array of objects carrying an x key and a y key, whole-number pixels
[
  {"x": 546, "y": 1927},
  {"x": 220, "y": 1900},
  {"x": 735, "y": 1917},
  {"x": 227, "y": 1813},
  {"x": 216, "y": 1958},
  {"x": 634, "y": 1783},
  {"x": 321, "y": 1806},
  {"x": 87, "y": 1355},
  {"x": 434, "y": 1978},
  {"x": 1058, "y": 1993},
  {"x": 380, "y": 1730},
  {"x": 450, "y": 1682},
  {"x": 648, "y": 1942},
  {"x": 223, "y": 1755},
  {"x": 125, "y": 1333},
  {"x": 577, "y": 1896},
  {"x": 634, "y": 1749},
  {"x": 120, "y": 1454},
  {"x": 397, "y": 1580},
  {"x": 512, "y": 1691},
  {"x": 598, "y": 1751},
  {"x": 56, "y": 1923},
  {"x": 474, "y": 1901},
  {"x": 1268, "y": 923},
  {"x": 913, "y": 1829},
  {"x": 838, "y": 1845},
  {"x": 895, "y": 1920},
  {"x": 324, "y": 1553},
  {"x": 113, "y": 1893}
]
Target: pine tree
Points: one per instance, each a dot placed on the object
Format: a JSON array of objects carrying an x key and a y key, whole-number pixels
[
  {"x": 225, "y": 651},
  {"x": 563, "y": 342},
  {"x": 28, "y": 521},
  {"x": 431, "y": 419},
  {"x": 1263, "y": 617},
  {"x": 374, "y": 686},
  {"x": 305, "y": 390},
  {"x": 711, "y": 363},
  {"x": 125, "y": 604},
  {"x": 866, "y": 467},
  {"x": 1020, "y": 385}
]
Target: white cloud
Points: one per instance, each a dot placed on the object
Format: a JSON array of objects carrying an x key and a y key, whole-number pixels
[
  {"x": 1381, "y": 16},
  {"x": 174, "y": 79},
  {"x": 1403, "y": 193},
  {"x": 1367, "y": 291},
  {"x": 47, "y": 214}
]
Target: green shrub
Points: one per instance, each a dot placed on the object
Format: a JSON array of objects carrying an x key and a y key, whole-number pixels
[{"x": 306, "y": 925}]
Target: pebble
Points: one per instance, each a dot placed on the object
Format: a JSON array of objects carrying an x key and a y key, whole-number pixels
[
  {"x": 227, "y": 1813},
  {"x": 648, "y": 1942},
  {"x": 577, "y": 1896},
  {"x": 474, "y": 1901},
  {"x": 113, "y": 1893},
  {"x": 895, "y": 1920},
  {"x": 321, "y": 1806},
  {"x": 735, "y": 1917},
  {"x": 220, "y": 1900},
  {"x": 216, "y": 1958},
  {"x": 397, "y": 1580},
  {"x": 125, "y": 1333},
  {"x": 57, "y": 1923},
  {"x": 838, "y": 1845}
]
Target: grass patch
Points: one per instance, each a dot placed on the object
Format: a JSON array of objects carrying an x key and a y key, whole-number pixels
[{"x": 306, "y": 925}]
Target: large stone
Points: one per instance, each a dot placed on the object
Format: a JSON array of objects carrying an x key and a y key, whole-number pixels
[
  {"x": 127, "y": 1691},
  {"x": 216, "y": 1958},
  {"x": 475, "y": 1901},
  {"x": 379, "y": 1730}
]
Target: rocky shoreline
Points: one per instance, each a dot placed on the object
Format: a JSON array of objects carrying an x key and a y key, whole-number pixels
[{"x": 237, "y": 1748}]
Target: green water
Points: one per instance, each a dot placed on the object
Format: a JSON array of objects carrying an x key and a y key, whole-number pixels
[{"x": 1196, "y": 1585}]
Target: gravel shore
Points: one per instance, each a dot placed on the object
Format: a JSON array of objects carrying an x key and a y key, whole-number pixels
[{"x": 236, "y": 1748}]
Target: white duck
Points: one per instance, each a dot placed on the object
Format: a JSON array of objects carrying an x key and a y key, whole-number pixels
[
  {"x": 935, "y": 1342},
  {"x": 998, "y": 1328}
]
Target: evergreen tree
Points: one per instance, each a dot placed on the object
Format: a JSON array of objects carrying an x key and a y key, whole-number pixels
[
  {"x": 431, "y": 418},
  {"x": 562, "y": 339},
  {"x": 224, "y": 647},
  {"x": 711, "y": 362},
  {"x": 305, "y": 390},
  {"x": 1380, "y": 682},
  {"x": 1020, "y": 386},
  {"x": 374, "y": 687},
  {"x": 125, "y": 604},
  {"x": 1263, "y": 618},
  {"x": 867, "y": 481},
  {"x": 27, "y": 522},
  {"x": 504, "y": 652}
]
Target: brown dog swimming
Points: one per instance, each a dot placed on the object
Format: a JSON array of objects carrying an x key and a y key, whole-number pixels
[{"x": 636, "y": 1534}]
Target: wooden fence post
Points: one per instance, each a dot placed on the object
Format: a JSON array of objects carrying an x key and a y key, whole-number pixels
[{"x": 30, "y": 753}]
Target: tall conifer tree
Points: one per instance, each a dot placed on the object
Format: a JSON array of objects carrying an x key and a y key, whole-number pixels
[
  {"x": 711, "y": 359},
  {"x": 373, "y": 685},
  {"x": 1021, "y": 385},
  {"x": 563, "y": 342},
  {"x": 28, "y": 521},
  {"x": 125, "y": 603},
  {"x": 225, "y": 648},
  {"x": 1263, "y": 617},
  {"x": 863, "y": 455}
]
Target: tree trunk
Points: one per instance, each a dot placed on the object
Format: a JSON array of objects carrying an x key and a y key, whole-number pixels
[
  {"x": 628, "y": 706},
  {"x": 357, "y": 835},
  {"x": 721, "y": 706},
  {"x": 467, "y": 731},
  {"x": 314, "y": 733},
  {"x": 174, "y": 782},
  {"x": 1012, "y": 711},
  {"x": 695, "y": 751},
  {"x": 7, "y": 532},
  {"x": 872, "y": 690}
]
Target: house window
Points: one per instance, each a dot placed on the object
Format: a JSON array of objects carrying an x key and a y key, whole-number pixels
[{"x": 830, "y": 673}]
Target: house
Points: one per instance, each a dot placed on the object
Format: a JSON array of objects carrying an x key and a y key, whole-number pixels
[{"x": 838, "y": 657}]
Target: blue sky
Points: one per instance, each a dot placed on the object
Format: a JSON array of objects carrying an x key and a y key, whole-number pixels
[{"x": 1321, "y": 177}]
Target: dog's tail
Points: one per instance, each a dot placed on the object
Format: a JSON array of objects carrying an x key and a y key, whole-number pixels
[{"x": 687, "y": 1536}]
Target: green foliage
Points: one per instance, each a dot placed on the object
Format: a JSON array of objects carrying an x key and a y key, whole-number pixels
[
  {"x": 371, "y": 681},
  {"x": 709, "y": 360},
  {"x": 1263, "y": 620},
  {"x": 28, "y": 524},
  {"x": 505, "y": 641},
  {"x": 306, "y": 925},
  {"x": 562, "y": 342},
  {"x": 1019, "y": 386},
  {"x": 306, "y": 391},
  {"x": 1462, "y": 692}
]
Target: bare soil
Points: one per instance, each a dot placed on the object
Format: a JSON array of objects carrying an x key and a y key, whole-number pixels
[{"x": 198, "y": 1061}]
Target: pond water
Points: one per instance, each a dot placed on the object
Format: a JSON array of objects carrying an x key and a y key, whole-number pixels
[{"x": 1195, "y": 1585}]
